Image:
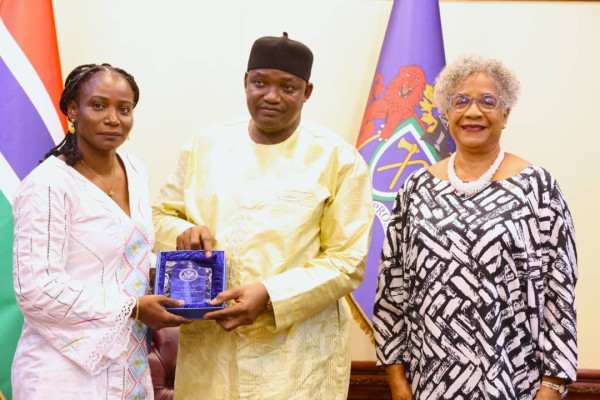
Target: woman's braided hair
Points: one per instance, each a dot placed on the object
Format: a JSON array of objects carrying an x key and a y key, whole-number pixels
[{"x": 77, "y": 77}]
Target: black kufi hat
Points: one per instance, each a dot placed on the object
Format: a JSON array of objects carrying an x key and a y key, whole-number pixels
[{"x": 281, "y": 53}]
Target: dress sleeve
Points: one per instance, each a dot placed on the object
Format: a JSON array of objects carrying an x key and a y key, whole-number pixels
[
  {"x": 169, "y": 210},
  {"x": 560, "y": 325},
  {"x": 389, "y": 323},
  {"x": 88, "y": 324},
  {"x": 345, "y": 231}
]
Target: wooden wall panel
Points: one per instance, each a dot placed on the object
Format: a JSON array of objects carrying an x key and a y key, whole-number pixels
[{"x": 369, "y": 382}]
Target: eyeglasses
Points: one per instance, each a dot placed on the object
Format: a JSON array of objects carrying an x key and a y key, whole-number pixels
[{"x": 486, "y": 103}]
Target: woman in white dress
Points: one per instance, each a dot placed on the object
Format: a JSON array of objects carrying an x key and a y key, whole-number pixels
[{"x": 82, "y": 253}]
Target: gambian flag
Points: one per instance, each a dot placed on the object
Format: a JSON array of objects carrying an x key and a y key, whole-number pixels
[
  {"x": 400, "y": 131},
  {"x": 30, "y": 124}
]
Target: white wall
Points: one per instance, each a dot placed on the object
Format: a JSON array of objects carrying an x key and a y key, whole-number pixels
[{"x": 189, "y": 58}]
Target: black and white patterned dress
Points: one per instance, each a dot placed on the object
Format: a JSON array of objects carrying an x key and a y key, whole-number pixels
[{"x": 476, "y": 295}]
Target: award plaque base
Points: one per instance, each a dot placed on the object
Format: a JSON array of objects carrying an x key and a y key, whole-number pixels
[{"x": 190, "y": 276}]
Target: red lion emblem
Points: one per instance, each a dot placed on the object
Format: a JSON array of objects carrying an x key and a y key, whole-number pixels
[{"x": 396, "y": 105}]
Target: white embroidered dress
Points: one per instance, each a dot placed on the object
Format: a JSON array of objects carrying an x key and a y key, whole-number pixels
[{"x": 78, "y": 262}]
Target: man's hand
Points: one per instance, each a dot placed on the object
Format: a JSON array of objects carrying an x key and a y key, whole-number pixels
[
  {"x": 251, "y": 300},
  {"x": 195, "y": 238},
  {"x": 152, "y": 312}
]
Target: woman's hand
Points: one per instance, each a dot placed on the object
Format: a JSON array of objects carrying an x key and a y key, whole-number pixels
[
  {"x": 545, "y": 393},
  {"x": 399, "y": 385},
  {"x": 152, "y": 312}
]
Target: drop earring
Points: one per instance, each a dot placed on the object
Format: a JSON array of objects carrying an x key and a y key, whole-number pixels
[{"x": 72, "y": 127}]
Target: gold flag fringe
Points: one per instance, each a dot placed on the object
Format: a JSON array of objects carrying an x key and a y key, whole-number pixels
[{"x": 360, "y": 317}]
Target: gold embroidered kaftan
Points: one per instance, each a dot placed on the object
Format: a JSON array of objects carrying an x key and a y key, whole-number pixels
[{"x": 295, "y": 216}]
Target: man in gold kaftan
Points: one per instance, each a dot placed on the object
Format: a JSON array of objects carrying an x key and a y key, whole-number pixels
[{"x": 290, "y": 204}]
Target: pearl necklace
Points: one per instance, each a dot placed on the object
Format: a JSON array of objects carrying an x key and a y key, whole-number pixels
[{"x": 468, "y": 189}]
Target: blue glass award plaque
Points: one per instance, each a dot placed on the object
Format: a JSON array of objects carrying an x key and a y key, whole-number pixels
[
  {"x": 185, "y": 280},
  {"x": 190, "y": 276}
]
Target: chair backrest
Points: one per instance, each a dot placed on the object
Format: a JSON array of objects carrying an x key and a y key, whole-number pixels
[{"x": 162, "y": 361}]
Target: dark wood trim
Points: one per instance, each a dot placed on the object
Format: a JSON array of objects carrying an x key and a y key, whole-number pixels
[
  {"x": 367, "y": 381},
  {"x": 587, "y": 385}
]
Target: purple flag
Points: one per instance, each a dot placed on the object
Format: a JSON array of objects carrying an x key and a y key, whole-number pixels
[{"x": 400, "y": 131}]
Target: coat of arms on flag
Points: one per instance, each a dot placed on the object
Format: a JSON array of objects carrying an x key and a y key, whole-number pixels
[{"x": 401, "y": 131}]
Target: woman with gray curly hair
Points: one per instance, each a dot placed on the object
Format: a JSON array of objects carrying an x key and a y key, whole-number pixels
[{"x": 475, "y": 295}]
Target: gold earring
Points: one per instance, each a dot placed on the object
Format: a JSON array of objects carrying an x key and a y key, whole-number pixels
[{"x": 72, "y": 127}]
